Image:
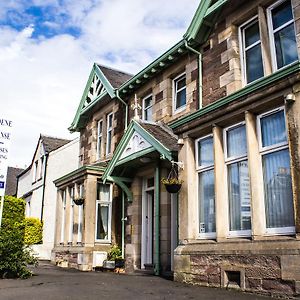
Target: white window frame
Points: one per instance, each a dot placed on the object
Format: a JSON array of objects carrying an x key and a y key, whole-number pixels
[
  {"x": 41, "y": 168},
  {"x": 243, "y": 49},
  {"x": 272, "y": 149},
  {"x": 200, "y": 169},
  {"x": 175, "y": 92},
  {"x": 99, "y": 139},
  {"x": 229, "y": 161},
  {"x": 109, "y": 130},
  {"x": 35, "y": 171},
  {"x": 272, "y": 32},
  {"x": 71, "y": 220},
  {"x": 144, "y": 108},
  {"x": 109, "y": 203},
  {"x": 63, "y": 215}
]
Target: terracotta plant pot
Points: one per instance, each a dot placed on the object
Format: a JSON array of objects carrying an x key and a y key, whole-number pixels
[{"x": 173, "y": 188}]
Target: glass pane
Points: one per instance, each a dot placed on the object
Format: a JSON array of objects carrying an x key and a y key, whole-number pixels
[
  {"x": 236, "y": 142},
  {"x": 252, "y": 34},
  {"x": 278, "y": 190},
  {"x": 148, "y": 102},
  {"x": 180, "y": 83},
  {"x": 254, "y": 64},
  {"x": 282, "y": 14},
  {"x": 103, "y": 192},
  {"x": 102, "y": 222},
  {"x": 239, "y": 196},
  {"x": 108, "y": 150},
  {"x": 273, "y": 129},
  {"x": 285, "y": 45},
  {"x": 150, "y": 182},
  {"x": 110, "y": 118},
  {"x": 207, "y": 202},
  {"x": 180, "y": 99},
  {"x": 205, "y": 152},
  {"x": 148, "y": 114}
]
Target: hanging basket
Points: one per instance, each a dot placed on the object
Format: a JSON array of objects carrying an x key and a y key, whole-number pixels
[
  {"x": 172, "y": 183},
  {"x": 79, "y": 201},
  {"x": 173, "y": 188}
]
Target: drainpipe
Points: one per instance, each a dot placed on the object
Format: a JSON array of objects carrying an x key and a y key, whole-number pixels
[
  {"x": 126, "y": 108},
  {"x": 44, "y": 186},
  {"x": 123, "y": 224},
  {"x": 199, "y": 70},
  {"x": 157, "y": 221}
]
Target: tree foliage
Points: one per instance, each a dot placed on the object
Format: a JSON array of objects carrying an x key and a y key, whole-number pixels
[{"x": 33, "y": 231}]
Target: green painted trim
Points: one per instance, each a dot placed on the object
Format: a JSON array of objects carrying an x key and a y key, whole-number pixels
[
  {"x": 157, "y": 221},
  {"x": 122, "y": 185},
  {"x": 135, "y": 126},
  {"x": 123, "y": 225},
  {"x": 79, "y": 170},
  {"x": 215, "y": 7},
  {"x": 197, "y": 20},
  {"x": 79, "y": 119},
  {"x": 153, "y": 65},
  {"x": 235, "y": 96},
  {"x": 135, "y": 156}
]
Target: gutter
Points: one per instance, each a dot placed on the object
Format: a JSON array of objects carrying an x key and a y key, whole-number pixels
[
  {"x": 44, "y": 186},
  {"x": 199, "y": 71},
  {"x": 126, "y": 108}
]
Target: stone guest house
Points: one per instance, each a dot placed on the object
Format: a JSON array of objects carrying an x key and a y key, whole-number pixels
[{"x": 222, "y": 106}]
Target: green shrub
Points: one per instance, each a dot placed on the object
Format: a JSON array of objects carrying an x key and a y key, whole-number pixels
[
  {"x": 114, "y": 253},
  {"x": 14, "y": 256},
  {"x": 33, "y": 231}
]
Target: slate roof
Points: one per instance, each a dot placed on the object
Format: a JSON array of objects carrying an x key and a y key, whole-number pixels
[
  {"x": 11, "y": 181},
  {"x": 115, "y": 77},
  {"x": 52, "y": 143},
  {"x": 162, "y": 133}
]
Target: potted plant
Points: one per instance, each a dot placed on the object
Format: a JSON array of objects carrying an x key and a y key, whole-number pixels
[
  {"x": 172, "y": 182},
  {"x": 114, "y": 257},
  {"x": 79, "y": 200},
  {"x": 172, "y": 185}
]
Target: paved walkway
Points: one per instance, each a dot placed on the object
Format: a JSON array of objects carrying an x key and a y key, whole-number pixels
[{"x": 55, "y": 283}]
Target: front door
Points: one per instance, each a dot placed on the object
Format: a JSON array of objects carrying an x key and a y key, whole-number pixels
[{"x": 147, "y": 223}]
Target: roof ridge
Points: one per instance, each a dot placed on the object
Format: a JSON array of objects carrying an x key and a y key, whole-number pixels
[
  {"x": 113, "y": 69},
  {"x": 53, "y": 137}
]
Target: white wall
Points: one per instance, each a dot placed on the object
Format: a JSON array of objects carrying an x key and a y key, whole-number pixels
[{"x": 60, "y": 162}]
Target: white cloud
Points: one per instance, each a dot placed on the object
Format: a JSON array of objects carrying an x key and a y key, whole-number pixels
[{"x": 42, "y": 80}]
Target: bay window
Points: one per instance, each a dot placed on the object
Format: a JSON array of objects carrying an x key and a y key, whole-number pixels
[
  {"x": 103, "y": 212},
  {"x": 206, "y": 187},
  {"x": 278, "y": 195},
  {"x": 238, "y": 180}
]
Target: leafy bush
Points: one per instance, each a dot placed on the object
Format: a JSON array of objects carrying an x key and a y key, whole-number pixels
[
  {"x": 14, "y": 256},
  {"x": 114, "y": 253},
  {"x": 33, "y": 231}
]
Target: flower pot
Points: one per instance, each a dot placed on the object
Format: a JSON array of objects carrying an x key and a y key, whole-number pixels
[
  {"x": 79, "y": 201},
  {"x": 119, "y": 263},
  {"x": 173, "y": 188}
]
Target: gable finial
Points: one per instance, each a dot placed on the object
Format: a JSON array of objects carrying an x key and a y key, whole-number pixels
[{"x": 136, "y": 107}]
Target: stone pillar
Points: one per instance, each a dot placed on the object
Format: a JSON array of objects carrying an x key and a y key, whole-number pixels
[
  {"x": 222, "y": 220},
  {"x": 188, "y": 194},
  {"x": 256, "y": 177},
  {"x": 58, "y": 218},
  {"x": 90, "y": 211},
  {"x": 293, "y": 129}
]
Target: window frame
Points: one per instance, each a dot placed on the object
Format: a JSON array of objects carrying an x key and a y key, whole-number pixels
[
  {"x": 267, "y": 150},
  {"x": 242, "y": 44},
  {"x": 99, "y": 138},
  {"x": 109, "y": 130},
  {"x": 199, "y": 170},
  {"x": 148, "y": 107},
  {"x": 272, "y": 33},
  {"x": 35, "y": 171},
  {"x": 175, "y": 92},
  {"x": 229, "y": 161},
  {"x": 109, "y": 203}
]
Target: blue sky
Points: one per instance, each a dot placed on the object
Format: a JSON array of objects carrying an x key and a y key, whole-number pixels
[{"x": 47, "y": 49}]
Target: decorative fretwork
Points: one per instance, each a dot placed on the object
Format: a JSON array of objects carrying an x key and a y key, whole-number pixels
[
  {"x": 95, "y": 91},
  {"x": 135, "y": 144}
]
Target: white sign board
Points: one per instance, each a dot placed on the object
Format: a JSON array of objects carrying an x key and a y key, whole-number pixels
[{"x": 5, "y": 139}]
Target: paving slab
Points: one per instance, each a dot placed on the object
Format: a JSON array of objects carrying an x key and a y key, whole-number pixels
[{"x": 51, "y": 282}]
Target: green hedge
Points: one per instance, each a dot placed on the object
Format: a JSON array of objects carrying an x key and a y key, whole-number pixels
[
  {"x": 33, "y": 231},
  {"x": 14, "y": 256}
]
